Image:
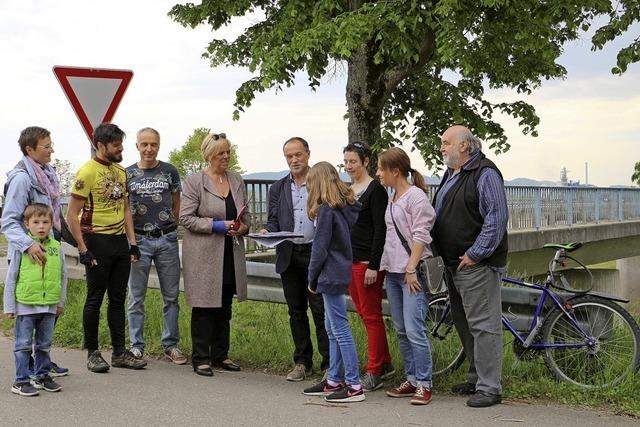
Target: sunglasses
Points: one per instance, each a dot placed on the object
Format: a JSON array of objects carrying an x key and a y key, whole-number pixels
[{"x": 217, "y": 136}]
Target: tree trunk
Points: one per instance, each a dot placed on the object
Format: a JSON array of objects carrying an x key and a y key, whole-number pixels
[{"x": 365, "y": 99}]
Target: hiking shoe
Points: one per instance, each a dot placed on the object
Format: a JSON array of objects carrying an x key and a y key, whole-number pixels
[
  {"x": 127, "y": 360},
  {"x": 175, "y": 355},
  {"x": 298, "y": 373},
  {"x": 323, "y": 388},
  {"x": 95, "y": 362},
  {"x": 46, "y": 383},
  {"x": 138, "y": 353},
  {"x": 387, "y": 371},
  {"x": 464, "y": 389},
  {"x": 422, "y": 396},
  {"x": 24, "y": 389},
  {"x": 406, "y": 389},
  {"x": 482, "y": 399},
  {"x": 371, "y": 382},
  {"x": 58, "y": 371},
  {"x": 346, "y": 395}
]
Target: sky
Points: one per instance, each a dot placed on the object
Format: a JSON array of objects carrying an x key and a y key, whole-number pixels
[{"x": 590, "y": 117}]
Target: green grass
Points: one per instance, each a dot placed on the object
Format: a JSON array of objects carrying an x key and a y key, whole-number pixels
[{"x": 261, "y": 340}]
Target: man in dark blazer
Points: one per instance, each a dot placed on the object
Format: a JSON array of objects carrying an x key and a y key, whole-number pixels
[{"x": 288, "y": 212}]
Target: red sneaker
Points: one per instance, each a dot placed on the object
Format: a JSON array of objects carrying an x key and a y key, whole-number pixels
[
  {"x": 422, "y": 396},
  {"x": 406, "y": 389}
]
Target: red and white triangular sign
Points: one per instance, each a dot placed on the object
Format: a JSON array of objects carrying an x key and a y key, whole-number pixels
[{"x": 94, "y": 93}]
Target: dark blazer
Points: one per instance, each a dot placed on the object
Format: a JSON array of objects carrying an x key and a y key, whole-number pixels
[{"x": 280, "y": 218}]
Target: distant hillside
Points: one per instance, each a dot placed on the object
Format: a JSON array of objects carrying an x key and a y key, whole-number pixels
[
  {"x": 433, "y": 180},
  {"x": 531, "y": 182},
  {"x": 265, "y": 175}
]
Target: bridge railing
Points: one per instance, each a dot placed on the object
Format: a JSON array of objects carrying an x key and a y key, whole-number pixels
[{"x": 529, "y": 207}]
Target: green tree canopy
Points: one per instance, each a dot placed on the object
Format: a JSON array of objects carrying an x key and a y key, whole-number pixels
[
  {"x": 414, "y": 67},
  {"x": 188, "y": 159},
  {"x": 636, "y": 174},
  {"x": 65, "y": 175}
]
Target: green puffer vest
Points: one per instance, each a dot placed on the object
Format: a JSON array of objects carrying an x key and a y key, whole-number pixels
[{"x": 40, "y": 285}]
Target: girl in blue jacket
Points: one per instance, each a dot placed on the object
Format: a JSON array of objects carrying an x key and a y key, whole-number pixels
[{"x": 333, "y": 207}]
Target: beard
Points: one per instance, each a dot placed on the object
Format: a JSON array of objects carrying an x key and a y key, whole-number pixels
[
  {"x": 114, "y": 158},
  {"x": 452, "y": 160}
]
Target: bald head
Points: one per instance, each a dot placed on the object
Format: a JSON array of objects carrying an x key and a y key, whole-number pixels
[{"x": 458, "y": 144}]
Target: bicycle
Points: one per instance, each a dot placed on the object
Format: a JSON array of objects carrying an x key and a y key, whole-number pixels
[{"x": 584, "y": 337}]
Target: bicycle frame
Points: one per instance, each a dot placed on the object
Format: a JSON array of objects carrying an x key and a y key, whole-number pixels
[{"x": 536, "y": 323}]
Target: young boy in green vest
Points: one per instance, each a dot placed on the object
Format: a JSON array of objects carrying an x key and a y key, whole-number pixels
[{"x": 34, "y": 294}]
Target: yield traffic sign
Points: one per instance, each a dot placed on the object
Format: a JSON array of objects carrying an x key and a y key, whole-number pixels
[{"x": 94, "y": 93}]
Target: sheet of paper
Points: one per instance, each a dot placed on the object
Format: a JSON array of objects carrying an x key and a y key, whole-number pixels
[{"x": 273, "y": 239}]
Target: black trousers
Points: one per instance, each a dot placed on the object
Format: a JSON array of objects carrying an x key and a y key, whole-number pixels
[
  {"x": 294, "y": 283},
  {"x": 111, "y": 276},
  {"x": 211, "y": 330}
]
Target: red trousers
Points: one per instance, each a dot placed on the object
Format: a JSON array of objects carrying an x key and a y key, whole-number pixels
[{"x": 368, "y": 303}]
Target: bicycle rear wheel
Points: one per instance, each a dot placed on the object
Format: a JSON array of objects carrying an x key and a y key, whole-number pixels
[
  {"x": 606, "y": 357},
  {"x": 446, "y": 348}
]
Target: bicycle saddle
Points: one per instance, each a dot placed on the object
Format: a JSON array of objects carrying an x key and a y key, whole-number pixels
[{"x": 569, "y": 247}]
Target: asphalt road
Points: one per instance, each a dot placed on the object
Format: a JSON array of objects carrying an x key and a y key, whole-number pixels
[{"x": 165, "y": 394}]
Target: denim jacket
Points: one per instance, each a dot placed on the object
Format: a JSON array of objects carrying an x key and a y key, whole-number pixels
[{"x": 22, "y": 189}]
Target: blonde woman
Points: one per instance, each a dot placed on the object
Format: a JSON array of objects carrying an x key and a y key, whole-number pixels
[
  {"x": 409, "y": 218},
  {"x": 333, "y": 207},
  {"x": 213, "y": 258}
]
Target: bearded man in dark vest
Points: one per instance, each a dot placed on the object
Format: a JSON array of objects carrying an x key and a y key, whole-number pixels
[{"x": 470, "y": 235}]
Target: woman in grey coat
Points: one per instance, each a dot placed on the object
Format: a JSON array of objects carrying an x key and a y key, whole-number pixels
[{"x": 213, "y": 258}]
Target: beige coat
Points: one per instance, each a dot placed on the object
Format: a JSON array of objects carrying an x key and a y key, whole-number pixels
[{"x": 203, "y": 251}]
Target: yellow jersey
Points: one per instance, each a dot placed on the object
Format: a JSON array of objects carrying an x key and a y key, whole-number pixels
[{"x": 103, "y": 187}]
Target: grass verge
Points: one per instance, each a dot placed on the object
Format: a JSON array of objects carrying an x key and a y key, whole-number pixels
[{"x": 260, "y": 340}]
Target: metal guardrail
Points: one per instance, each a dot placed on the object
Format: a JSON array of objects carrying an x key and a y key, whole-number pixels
[{"x": 264, "y": 284}]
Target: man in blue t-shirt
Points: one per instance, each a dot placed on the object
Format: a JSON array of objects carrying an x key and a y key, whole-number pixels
[{"x": 154, "y": 199}]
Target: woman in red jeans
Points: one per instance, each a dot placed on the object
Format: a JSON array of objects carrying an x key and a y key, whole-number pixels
[{"x": 367, "y": 241}]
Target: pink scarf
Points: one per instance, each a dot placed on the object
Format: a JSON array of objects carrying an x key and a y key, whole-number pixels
[{"x": 46, "y": 176}]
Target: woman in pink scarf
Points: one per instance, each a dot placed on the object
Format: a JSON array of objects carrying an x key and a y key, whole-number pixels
[{"x": 32, "y": 180}]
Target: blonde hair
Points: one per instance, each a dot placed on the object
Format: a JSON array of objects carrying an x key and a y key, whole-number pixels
[
  {"x": 325, "y": 186},
  {"x": 396, "y": 158},
  {"x": 212, "y": 145}
]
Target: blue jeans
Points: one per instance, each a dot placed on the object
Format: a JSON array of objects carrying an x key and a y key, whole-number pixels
[
  {"x": 343, "y": 358},
  {"x": 163, "y": 251},
  {"x": 408, "y": 312},
  {"x": 42, "y": 324}
]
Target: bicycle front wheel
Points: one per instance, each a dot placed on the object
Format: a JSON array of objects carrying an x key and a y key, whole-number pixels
[
  {"x": 446, "y": 348},
  {"x": 606, "y": 356}
]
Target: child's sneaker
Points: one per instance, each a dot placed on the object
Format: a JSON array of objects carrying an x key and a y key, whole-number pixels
[
  {"x": 46, "y": 383},
  {"x": 406, "y": 389},
  {"x": 323, "y": 388},
  {"x": 24, "y": 389},
  {"x": 346, "y": 395},
  {"x": 422, "y": 396},
  {"x": 58, "y": 371}
]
